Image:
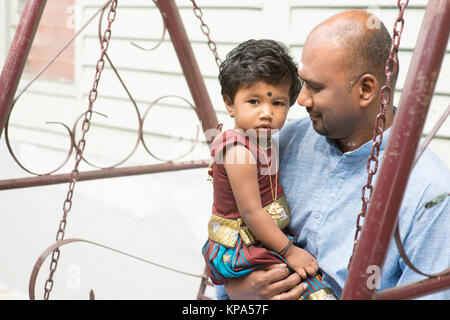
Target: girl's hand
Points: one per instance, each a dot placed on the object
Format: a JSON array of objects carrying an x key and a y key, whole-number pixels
[{"x": 302, "y": 262}]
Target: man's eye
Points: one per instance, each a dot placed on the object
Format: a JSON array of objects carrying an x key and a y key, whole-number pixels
[{"x": 315, "y": 89}]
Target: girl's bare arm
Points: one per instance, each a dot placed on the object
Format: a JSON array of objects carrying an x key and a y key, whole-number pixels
[{"x": 240, "y": 165}]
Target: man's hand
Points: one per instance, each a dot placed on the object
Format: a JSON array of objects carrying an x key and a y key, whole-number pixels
[{"x": 274, "y": 282}]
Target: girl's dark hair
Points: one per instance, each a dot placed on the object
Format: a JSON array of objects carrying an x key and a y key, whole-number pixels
[{"x": 259, "y": 60}]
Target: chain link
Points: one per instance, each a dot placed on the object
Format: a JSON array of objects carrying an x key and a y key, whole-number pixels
[
  {"x": 67, "y": 206},
  {"x": 205, "y": 30},
  {"x": 391, "y": 68}
]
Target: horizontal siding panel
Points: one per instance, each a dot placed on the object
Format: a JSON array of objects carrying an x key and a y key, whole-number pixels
[
  {"x": 161, "y": 119},
  {"x": 35, "y": 109},
  {"x": 151, "y": 74},
  {"x": 437, "y": 108},
  {"x": 144, "y": 104},
  {"x": 165, "y": 118},
  {"x": 303, "y": 20},
  {"x": 241, "y": 4},
  {"x": 48, "y": 87},
  {"x": 125, "y": 23},
  {"x": 124, "y": 54},
  {"x": 224, "y": 24},
  {"x": 444, "y": 75},
  {"x": 354, "y": 3},
  {"x": 244, "y": 23},
  {"x": 206, "y": 4},
  {"x": 34, "y": 153},
  {"x": 155, "y": 62},
  {"x": 148, "y": 86},
  {"x": 442, "y": 148},
  {"x": 109, "y": 140}
]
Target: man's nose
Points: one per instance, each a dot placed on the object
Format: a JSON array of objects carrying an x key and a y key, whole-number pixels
[{"x": 304, "y": 98}]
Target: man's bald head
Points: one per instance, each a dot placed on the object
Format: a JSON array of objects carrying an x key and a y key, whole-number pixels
[{"x": 364, "y": 40}]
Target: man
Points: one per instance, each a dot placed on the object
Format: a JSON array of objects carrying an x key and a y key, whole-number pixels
[{"x": 323, "y": 167}]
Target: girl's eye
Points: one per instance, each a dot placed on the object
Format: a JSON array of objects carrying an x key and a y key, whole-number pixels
[
  {"x": 253, "y": 101},
  {"x": 279, "y": 103}
]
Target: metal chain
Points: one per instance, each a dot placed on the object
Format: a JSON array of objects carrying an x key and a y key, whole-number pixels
[
  {"x": 205, "y": 29},
  {"x": 213, "y": 47},
  {"x": 391, "y": 68},
  {"x": 80, "y": 146}
]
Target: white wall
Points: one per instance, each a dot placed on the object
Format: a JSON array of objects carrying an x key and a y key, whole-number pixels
[
  {"x": 160, "y": 217},
  {"x": 151, "y": 74}
]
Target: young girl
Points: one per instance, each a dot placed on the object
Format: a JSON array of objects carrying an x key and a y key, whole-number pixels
[{"x": 259, "y": 83}]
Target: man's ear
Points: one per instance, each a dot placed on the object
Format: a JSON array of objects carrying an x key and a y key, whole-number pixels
[
  {"x": 368, "y": 89},
  {"x": 228, "y": 105}
]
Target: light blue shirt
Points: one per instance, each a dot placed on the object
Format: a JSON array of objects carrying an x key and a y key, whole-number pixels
[{"x": 323, "y": 190}]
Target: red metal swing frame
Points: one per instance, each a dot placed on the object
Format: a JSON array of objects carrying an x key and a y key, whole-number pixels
[{"x": 394, "y": 172}]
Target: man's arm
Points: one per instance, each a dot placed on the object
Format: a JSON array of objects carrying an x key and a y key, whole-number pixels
[{"x": 272, "y": 282}]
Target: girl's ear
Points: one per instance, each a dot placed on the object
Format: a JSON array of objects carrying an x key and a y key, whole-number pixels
[{"x": 228, "y": 105}]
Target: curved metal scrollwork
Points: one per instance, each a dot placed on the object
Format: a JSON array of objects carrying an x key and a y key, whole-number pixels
[
  {"x": 72, "y": 131},
  {"x": 10, "y": 149},
  {"x": 104, "y": 37},
  {"x": 58, "y": 244},
  {"x": 163, "y": 34}
]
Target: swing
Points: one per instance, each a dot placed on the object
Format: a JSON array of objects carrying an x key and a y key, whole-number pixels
[
  {"x": 80, "y": 145},
  {"x": 372, "y": 165}
]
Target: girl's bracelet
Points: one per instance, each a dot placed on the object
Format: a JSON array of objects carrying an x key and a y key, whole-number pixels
[{"x": 285, "y": 249}]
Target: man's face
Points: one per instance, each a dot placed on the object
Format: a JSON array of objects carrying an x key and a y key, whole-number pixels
[{"x": 326, "y": 93}]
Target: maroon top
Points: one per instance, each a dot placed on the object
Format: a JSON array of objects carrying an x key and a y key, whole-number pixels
[{"x": 224, "y": 203}]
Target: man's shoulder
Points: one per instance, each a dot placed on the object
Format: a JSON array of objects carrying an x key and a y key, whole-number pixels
[
  {"x": 295, "y": 129},
  {"x": 296, "y": 124},
  {"x": 430, "y": 178},
  {"x": 430, "y": 169}
]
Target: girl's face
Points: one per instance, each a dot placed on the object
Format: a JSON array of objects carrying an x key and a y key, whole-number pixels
[{"x": 260, "y": 106}]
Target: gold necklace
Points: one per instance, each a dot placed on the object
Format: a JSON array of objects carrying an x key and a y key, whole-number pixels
[{"x": 275, "y": 209}]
